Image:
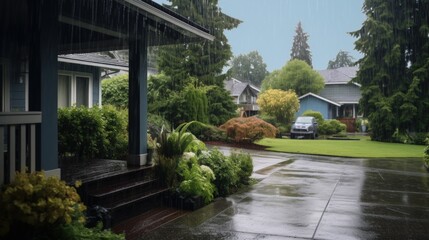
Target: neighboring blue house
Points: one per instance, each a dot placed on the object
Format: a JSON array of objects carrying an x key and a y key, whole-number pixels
[
  {"x": 244, "y": 95},
  {"x": 340, "y": 97}
]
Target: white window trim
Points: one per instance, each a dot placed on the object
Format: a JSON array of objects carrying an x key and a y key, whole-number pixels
[
  {"x": 73, "y": 76},
  {"x": 6, "y": 86}
]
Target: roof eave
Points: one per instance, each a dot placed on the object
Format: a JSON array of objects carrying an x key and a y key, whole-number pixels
[{"x": 156, "y": 11}]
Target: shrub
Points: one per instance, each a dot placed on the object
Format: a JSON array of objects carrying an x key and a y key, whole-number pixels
[
  {"x": 224, "y": 170},
  {"x": 317, "y": 115},
  {"x": 207, "y": 133},
  {"x": 171, "y": 147},
  {"x": 116, "y": 134},
  {"x": 330, "y": 127},
  {"x": 115, "y": 91},
  {"x": 155, "y": 123},
  {"x": 87, "y": 133},
  {"x": 38, "y": 202},
  {"x": 248, "y": 129},
  {"x": 80, "y": 132},
  {"x": 196, "y": 179},
  {"x": 244, "y": 164}
]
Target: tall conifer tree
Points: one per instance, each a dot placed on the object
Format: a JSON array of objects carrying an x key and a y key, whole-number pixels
[
  {"x": 394, "y": 70},
  {"x": 300, "y": 48}
]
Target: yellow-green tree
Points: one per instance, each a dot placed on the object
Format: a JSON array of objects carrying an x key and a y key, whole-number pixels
[{"x": 282, "y": 105}]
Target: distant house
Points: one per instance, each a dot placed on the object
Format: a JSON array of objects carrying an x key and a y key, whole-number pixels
[
  {"x": 339, "y": 99},
  {"x": 244, "y": 95}
]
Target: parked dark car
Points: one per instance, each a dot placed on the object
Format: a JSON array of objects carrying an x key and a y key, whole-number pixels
[{"x": 305, "y": 127}]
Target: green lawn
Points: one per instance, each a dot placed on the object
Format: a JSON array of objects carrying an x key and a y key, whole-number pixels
[{"x": 345, "y": 148}]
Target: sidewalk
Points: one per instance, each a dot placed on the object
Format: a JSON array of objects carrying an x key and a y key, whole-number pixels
[{"x": 309, "y": 197}]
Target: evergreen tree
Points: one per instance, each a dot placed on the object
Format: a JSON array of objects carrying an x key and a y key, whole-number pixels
[
  {"x": 300, "y": 48},
  {"x": 249, "y": 67},
  {"x": 343, "y": 59},
  {"x": 204, "y": 60},
  {"x": 394, "y": 70}
]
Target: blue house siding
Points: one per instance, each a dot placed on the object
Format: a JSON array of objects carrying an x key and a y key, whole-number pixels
[
  {"x": 315, "y": 104},
  {"x": 17, "y": 96},
  {"x": 93, "y": 71}
]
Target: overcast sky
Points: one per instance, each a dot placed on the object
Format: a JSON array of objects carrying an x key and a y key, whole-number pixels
[{"x": 269, "y": 27}]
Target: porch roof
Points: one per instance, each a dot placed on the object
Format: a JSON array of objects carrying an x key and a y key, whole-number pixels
[{"x": 94, "y": 26}]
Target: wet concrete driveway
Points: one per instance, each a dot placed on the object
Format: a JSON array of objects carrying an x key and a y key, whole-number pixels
[{"x": 309, "y": 197}]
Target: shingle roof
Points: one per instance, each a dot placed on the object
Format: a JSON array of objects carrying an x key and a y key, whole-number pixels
[
  {"x": 236, "y": 87},
  {"x": 338, "y": 76},
  {"x": 94, "y": 59}
]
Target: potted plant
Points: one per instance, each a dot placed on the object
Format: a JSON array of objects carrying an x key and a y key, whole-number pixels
[
  {"x": 364, "y": 124},
  {"x": 151, "y": 146}
]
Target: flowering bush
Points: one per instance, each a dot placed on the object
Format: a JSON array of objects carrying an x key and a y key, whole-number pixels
[
  {"x": 248, "y": 129},
  {"x": 35, "y": 200}
]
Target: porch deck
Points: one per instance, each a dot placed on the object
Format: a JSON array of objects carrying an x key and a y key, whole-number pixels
[{"x": 85, "y": 171}]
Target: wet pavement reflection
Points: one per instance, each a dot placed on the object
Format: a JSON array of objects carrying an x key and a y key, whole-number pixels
[{"x": 310, "y": 197}]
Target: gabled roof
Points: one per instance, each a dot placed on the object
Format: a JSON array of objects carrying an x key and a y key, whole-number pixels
[
  {"x": 236, "y": 87},
  {"x": 319, "y": 97},
  {"x": 341, "y": 75},
  {"x": 94, "y": 59}
]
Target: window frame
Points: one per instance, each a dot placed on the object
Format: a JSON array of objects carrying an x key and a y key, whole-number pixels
[
  {"x": 73, "y": 76},
  {"x": 5, "y": 86}
]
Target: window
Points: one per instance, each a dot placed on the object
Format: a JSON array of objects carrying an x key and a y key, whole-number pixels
[
  {"x": 1, "y": 88},
  {"x": 74, "y": 90},
  {"x": 64, "y": 91},
  {"x": 82, "y": 91}
]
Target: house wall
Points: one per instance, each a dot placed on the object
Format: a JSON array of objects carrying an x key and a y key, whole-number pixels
[
  {"x": 315, "y": 104},
  {"x": 341, "y": 93}
]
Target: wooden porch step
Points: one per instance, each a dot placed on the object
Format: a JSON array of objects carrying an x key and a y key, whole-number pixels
[
  {"x": 138, "y": 226},
  {"x": 114, "y": 180},
  {"x": 132, "y": 205},
  {"x": 106, "y": 194}
]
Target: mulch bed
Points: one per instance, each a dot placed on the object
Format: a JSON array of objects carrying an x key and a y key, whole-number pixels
[{"x": 238, "y": 145}]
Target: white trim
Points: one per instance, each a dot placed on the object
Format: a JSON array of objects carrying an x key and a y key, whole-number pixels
[
  {"x": 319, "y": 97},
  {"x": 342, "y": 83},
  {"x": 342, "y": 103},
  {"x": 99, "y": 89},
  {"x": 6, "y": 86},
  {"x": 168, "y": 18},
  {"x": 94, "y": 64}
]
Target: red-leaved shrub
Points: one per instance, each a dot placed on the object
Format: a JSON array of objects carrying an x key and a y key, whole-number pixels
[{"x": 248, "y": 129}]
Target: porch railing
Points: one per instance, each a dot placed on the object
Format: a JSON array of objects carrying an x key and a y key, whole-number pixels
[
  {"x": 249, "y": 106},
  {"x": 17, "y": 143}
]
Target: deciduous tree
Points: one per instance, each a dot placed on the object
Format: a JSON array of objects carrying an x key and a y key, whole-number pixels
[
  {"x": 343, "y": 59},
  {"x": 295, "y": 75},
  {"x": 249, "y": 67},
  {"x": 280, "y": 104}
]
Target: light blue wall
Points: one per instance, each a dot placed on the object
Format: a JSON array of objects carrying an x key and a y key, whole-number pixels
[{"x": 315, "y": 104}]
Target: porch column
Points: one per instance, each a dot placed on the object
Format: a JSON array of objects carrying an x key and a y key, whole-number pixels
[
  {"x": 43, "y": 81},
  {"x": 137, "y": 102},
  {"x": 354, "y": 110}
]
